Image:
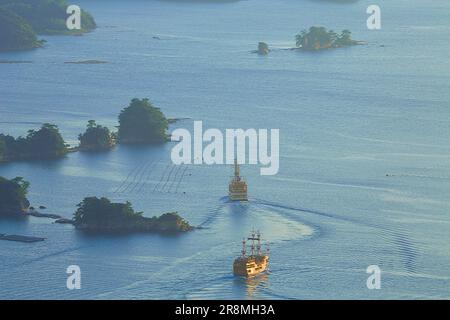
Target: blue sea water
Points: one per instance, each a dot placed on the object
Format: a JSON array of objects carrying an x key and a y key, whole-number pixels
[{"x": 364, "y": 158}]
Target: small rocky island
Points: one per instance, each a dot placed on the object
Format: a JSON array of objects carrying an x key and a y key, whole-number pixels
[
  {"x": 86, "y": 62},
  {"x": 13, "y": 197},
  {"x": 316, "y": 39},
  {"x": 263, "y": 49},
  {"x": 96, "y": 138},
  {"x": 319, "y": 38},
  {"x": 100, "y": 215},
  {"x": 142, "y": 123},
  {"x": 14, "y": 202}
]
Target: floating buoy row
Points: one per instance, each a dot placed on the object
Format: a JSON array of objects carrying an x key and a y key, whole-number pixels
[{"x": 144, "y": 175}]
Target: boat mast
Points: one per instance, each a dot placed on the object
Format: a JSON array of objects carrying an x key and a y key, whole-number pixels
[
  {"x": 237, "y": 173},
  {"x": 244, "y": 248},
  {"x": 256, "y": 236},
  {"x": 258, "y": 245},
  {"x": 253, "y": 242}
]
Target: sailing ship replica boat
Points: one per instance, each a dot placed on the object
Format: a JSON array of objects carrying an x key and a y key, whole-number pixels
[
  {"x": 237, "y": 187},
  {"x": 256, "y": 262}
]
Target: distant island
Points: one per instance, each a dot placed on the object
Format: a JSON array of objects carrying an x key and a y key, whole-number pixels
[
  {"x": 316, "y": 39},
  {"x": 100, "y": 215},
  {"x": 14, "y": 202},
  {"x": 142, "y": 123},
  {"x": 319, "y": 38},
  {"x": 45, "y": 143},
  {"x": 139, "y": 123},
  {"x": 13, "y": 197},
  {"x": 22, "y": 20},
  {"x": 16, "y": 33},
  {"x": 263, "y": 48},
  {"x": 96, "y": 138},
  {"x": 94, "y": 215},
  {"x": 86, "y": 62}
]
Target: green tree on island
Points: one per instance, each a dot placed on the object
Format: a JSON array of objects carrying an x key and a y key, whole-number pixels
[
  {"x": 13, "y": 200},
  {"x": 16, "y": 33},
  {"x": 5, "y": 141},
  {"x": 97, "y": 212},
  {"x": 47, "y": 16},
  {"x": 141, "y": 122},
  {"x": 44, "y": 143},
  {"x": 21, "y": 20},
  {"x": 318, "y": 38},
  {"x": 263, "y": 48},
  {"x": 101, "y": 215},
  {"x": 96, "y": 138},
  {"x": 2, "y": 149},
  {"x": 345, "y": 38}
]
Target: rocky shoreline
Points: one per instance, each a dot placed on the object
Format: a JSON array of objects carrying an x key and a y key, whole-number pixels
[{"x": 167, "y": 223}]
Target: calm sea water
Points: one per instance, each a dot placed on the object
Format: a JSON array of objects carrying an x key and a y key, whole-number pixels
[{"x": 348, "y": 118}]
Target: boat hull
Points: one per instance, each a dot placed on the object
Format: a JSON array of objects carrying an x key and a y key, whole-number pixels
[
  {"x": 238, "y": 196},
  {"x": 250, "y": 266}
]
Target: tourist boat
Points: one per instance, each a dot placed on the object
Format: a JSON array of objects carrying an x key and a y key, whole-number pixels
[
  {"x": 255, "y": 263},
  {"x": 237, "y": 187}
]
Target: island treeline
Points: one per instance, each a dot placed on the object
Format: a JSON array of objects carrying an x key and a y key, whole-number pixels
[
  {"x": 16, "y": 33},
  {"x": 45, "y": 143},
  {"x": 22, "y": 20},
  {"x": 315, "y": 39},
  {"x": 139, "y": 123},
  {"x": 318, "y": 38},
  {"x": 96, "y": 138},
  {"x": 95, "y": 215},
  {"x": 101, "y": 215},
  {"x": 13, "y": 197}
]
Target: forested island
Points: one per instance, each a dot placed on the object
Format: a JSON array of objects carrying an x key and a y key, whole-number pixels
[
  {"x": 100, "y": 215},
  {"x": 96, "y": 138},
  {"x": 16, "y": 33},
  {"x": 45, "y": 143},
  {"x": 13, "y": 197},
  {"x": 139, "y": 123},
  {"x": 319, "y": 38},
  {"x": 22, "y": 20},
  {"x": 316, "y": 39},
  {"x": 263, "y": 48},
  {"x": 14, "y": 202},
  {"x": 94, "y": 215},
  {"x": 142, "y": 123}
]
